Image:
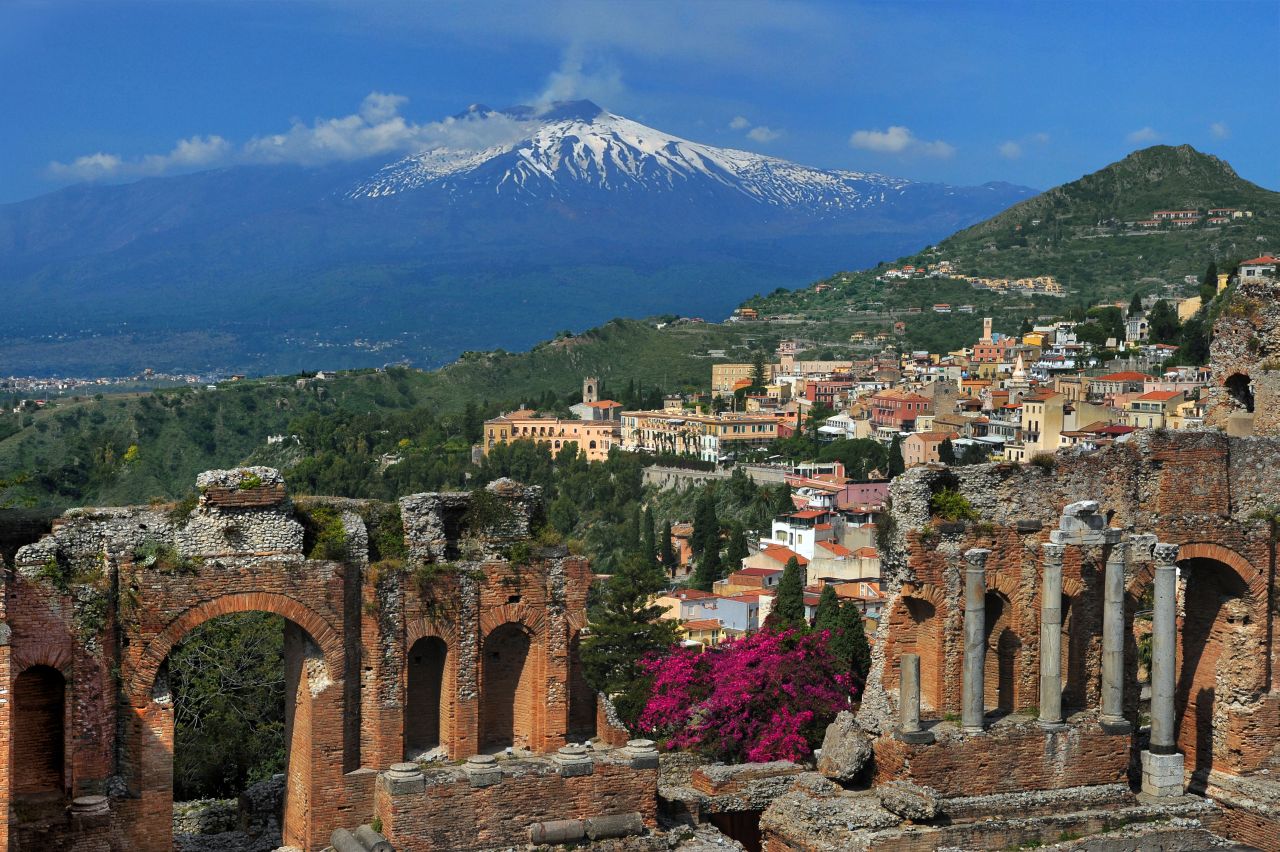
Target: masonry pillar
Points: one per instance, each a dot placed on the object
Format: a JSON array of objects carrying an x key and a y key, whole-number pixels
[
  {"x": 975, "y": 639},
  {"x": 1162, "y": 765},
  {"x": 909, "y": 701},
  {"x": 1051, "y": 636},
  {"x": 1112, "y": 718}
]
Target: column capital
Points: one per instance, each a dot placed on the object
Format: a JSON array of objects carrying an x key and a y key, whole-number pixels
[
  {"x": 976, "y": 557},
  {"x": 1166, "y": 555},
  {"x": 1053, "y": 553}
]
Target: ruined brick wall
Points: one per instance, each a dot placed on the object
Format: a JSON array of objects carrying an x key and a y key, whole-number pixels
[
  {"x": 1204, "y": 491},
  {"x": 452, "y": 813},
  {"x": 81, "y": 604},
  {"x": 1245, "y": 357}
]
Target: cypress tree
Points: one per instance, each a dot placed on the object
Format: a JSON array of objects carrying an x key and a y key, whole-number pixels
[
  {"x": 1209, "y": 284},
  {"x": 947, "y": 452},
  {"x": 1135, "y": 305},
  {"x": 667, "y": 552},
  {"x": 627, "y": 627},
  {"x": 896, "y": 464},
  {"x": 737, "y": 548},
  {"x": 849, "y": 643},
  {"x": 788, "y": 603},
  {"x": 708, "y": 569},
  {"x": 650, "y": 544},
  {"x": 706, "y": 526},
  {"x": 827, "y": 616}
]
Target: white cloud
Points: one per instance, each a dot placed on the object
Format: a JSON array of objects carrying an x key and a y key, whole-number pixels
[
  {"x": 763, "y": 134},
  {"x": 577, "y": 78},
  {"x": 193, "y": 153},
  {"x": 899, "y": 140},
  {"x": 1144, "y": 134},
  {"x": 376, "y": 128},
  {"x": 1219, "y": 130},
  {"x": 1012, "y": 149},
  {"x": 739, "y": 122}
]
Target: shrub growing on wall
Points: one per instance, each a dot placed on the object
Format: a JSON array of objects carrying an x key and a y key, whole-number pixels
[{"x": 767, "y": 696}]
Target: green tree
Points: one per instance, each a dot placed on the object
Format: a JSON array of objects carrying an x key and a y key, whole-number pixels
[
  {"x": 896, "y": 463},
  {"x": 1209, "y": 284},
  {"x": 1135, "y": 304},
  {"x": 649, "y": 546},
  {"x": 788, "y": 602},
  {"x": 1164, "y": 326},
  {"x": 737, "y": 550},
  {"x": 666, "y": 550},
  {"x": 706, "y": 526},
  {"x": 707, "y": 570},
  {"x": 849, "y": 643},
  {"x": 946, "y": 452},
  {"x": 563, "y": 514},
  {"x": 827, "y": 615},
  {"x": 1026, "y": 327},
  {"x": 472, "y": 423},
  {"x": 627, "y": 626},
  {"x": 758, "y": 377}
]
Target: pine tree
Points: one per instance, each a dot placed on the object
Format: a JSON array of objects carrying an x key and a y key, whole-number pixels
[
  {"x": 896, "y": 463},
  {"x": 737, "y": 550},
  {"x": 757, "y": 369},
  {"x": 827, "y": 615},
  {"x": 788, "y": 602},
  {"x": 667, "y": 552},
  {"x": 627, "y": 627},
  {"x": 650, "y": 544},
  {"x": 946, "y": 452}
]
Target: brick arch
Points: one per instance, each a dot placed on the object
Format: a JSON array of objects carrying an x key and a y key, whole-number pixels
[
  {"x": 533, "y": 620},
  {"x": 55, "y": 655},
  {"x": 923, "y": 637},
  {"x": 157, "y": 651},
  {"x": 421, "y": 628},
  {"x": 927, "y": 592},
  {"x": 1254, "y": 580}
]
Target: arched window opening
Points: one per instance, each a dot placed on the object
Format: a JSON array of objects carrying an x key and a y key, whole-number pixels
[
  {"x": 1241, "y": 390},
  {"x": 39, "y": 745},
  {"x": 507, "y": 698},
  {"x": 425, "y": 697}
]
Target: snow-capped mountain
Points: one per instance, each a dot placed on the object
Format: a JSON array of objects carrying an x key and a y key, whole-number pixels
[
  {"x": 577, "y": 144},
  {"x": 561, "y": 217}
]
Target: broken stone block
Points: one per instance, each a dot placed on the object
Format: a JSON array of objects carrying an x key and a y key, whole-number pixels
[
  {"x": 1081, "y": 516},
  {"x": 910, "y": 801},
  {"x": 846, "y": 748},
  {"x": 404, "y": 779},
  {"x": 614, "y": 825}
]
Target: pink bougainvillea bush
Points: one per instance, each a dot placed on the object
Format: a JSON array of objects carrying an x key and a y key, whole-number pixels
[{"x": 767, "y": 696}]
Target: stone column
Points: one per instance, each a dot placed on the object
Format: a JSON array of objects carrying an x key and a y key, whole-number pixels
[
  {"x": 1112, "y": 717},
  {"x": 909, "y": 701},
  {"x": 1162, "y": 766},
  {"x": 1051, "y": 636},
  {"x": 975, "y": 639}
]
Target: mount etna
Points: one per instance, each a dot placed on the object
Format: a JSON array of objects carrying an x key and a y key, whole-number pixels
[{"x": 577, "y": 215}]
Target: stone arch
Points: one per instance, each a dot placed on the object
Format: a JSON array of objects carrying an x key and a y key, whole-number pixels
[
  {"x": 314, "y": 729},
  {"x": 508, "y": 687},
  {"x": 1218, "y": 663},
  {"x": 1004, "y": 651},
  {"x": 916, "y": 628},
  {"x": 157, "y": 651},
  {"x": 39, "y": 725},
  {"x": 1240, "y": 388}
]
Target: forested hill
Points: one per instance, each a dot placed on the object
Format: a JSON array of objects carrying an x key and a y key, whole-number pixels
[
  {"x": 123, "y": 449},
  {"x": 1084, "y": 233}
]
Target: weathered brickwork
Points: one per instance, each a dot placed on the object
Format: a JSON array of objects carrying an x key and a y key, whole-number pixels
[
  {"x": 451, "y": 812},
  {"x": 93, "y": 609}
]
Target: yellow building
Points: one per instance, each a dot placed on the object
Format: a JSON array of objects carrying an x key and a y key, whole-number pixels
[
  {"x": 1153, "y": 410},
  {"x": 711, "y": 437},
  {"x": 593, "y": 437}
]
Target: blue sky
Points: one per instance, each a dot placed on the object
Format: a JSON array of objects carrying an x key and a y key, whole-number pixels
[{"x": 1031, "y": 92}]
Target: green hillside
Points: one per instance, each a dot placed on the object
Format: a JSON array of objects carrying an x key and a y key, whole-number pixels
[
  {"x": 131, "y": 448},
  {"x": 1079, "y": 232}
]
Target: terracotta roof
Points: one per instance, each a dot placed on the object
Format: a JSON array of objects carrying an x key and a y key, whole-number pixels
[
  {"x": 703, "y": 624},
  {"x": 779, "y": 553},
  {"x": 692, "y": 594},
  {"x": 605, "y": 403},
  {"x": 836, "y": 548},
  {"x": 1160, "y": 396},
  {"x": 758, "y": 572},
  {"x": 866, "y": 553},
  {"x": 809, "y": 513},
  {"x": 1265, "y": 260},
  {"x": 1124, "y": 377},
  {"x": 747, "y": 597}
]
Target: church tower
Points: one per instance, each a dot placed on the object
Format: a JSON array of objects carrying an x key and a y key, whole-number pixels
[{"x": 590, "y": 389}]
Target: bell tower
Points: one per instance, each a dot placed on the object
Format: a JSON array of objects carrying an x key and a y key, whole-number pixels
[{"x": 590, "y": 389}]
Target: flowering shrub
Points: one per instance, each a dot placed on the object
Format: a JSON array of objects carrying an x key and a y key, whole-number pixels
[{"x": 767, "y": 696}]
